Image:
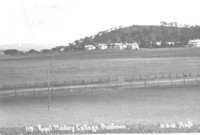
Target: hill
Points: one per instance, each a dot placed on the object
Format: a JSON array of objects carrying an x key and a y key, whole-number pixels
[{"x": 145, "y": 35}]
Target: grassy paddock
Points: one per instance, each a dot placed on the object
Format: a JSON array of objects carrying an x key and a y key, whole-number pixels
[
  {"x": 130, "y": 106},
  {"x": 85, "y": 65}
]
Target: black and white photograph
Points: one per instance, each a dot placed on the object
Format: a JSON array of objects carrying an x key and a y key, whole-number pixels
[{"x": 99, "y": 67}]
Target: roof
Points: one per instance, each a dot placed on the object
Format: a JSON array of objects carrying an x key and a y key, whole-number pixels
[{"x": 194, "y": 40}]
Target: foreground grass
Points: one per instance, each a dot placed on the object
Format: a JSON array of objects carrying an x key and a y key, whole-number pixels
[{"x": 138, "y": 106}]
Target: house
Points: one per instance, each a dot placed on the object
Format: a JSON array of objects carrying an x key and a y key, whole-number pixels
[
  {"x": 2, "y": 53},
  {"x": 102, "y": 46},
  {"x": 158, "y": 43},
  {"x": 170, "y": 43},
  {"x": 89, "y": 47},
  {"x": 119, "y": 46},
  {"x": 194, "y": 43},
  {"x": 133, "y": 46}
]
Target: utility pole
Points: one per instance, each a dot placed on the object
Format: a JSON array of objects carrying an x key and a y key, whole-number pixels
[
  {"x": 48, "y": 90},
  {"x": 49, "y": 75}
]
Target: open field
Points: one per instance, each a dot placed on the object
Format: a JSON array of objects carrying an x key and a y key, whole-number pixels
[
  {"x": 128, "y": 106},
  {"x": 86, "y": 65},
  {"x": 120, "y": 104}
]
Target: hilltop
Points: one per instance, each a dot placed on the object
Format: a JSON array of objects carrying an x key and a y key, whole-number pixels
[{"x": 145, "y": 35}]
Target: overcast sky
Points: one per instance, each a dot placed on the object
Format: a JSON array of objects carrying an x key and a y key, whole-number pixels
[{"x": 63, "y": 21}]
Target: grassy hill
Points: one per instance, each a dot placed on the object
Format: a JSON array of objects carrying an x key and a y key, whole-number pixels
[{"x": 145, "y": 35}]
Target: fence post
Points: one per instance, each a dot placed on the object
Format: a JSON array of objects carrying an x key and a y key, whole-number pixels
[
  {"x": 155, "y": 76},
  {"x": 140, "y": 77},
  {"x": 52, "y": 90},
  {"x": 169, "y": 75},
  {"x": 131, "y": 84},
  {"x": 196, "y": 79},
  {"x": 33, "y": 91},
  {"x": 55, "y": 84},
  {"x": 15, "y": 91},
  {"x": 68, "y": 88},
  {"x": 85, "y": 87},
  {"x": 190, "y": 74},
  {"x": 83, "y": 82},
  {"x": 162, "y": 76},
  {"x": 65, "y": 82},
  {"x": 133, "y": 78},
  {"x": 117, "y": 78},
  {"x": 74, "y": 82},
  {"x": 171, "y": 82},
  {"x": 176, "y": 75},
  {"x": 35, "y": 85},
  {"x": 145, "y": 84},
  {"x": 92, "y": 80},
  {"x": 116, "y": 85}
]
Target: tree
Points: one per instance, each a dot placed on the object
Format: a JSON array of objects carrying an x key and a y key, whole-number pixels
[
  {"x": 11, "y": 52},
  {"x": 165, "y": 34},
  {"x": 31, "y": 51},
  {"x": 46, "y": 50},
  {"x": 163, "y": 23},
  {"x": 149, "y": 41}
]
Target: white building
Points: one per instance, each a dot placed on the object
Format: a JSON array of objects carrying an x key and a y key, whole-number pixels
[
  {"x": 158, "y": 43},
  {"x": 194, "y": 43},
  {"x": 102, "y": 46},
  {"x": 170, "y": 43},
  {"x": 119, "y": 46},
  {"x": 133, "y": 46},
  {"x": 89, "y": 47}
]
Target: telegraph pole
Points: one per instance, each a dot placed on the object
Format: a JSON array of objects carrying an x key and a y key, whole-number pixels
[
  {"x": 49, "y": 74},
  {"x": 48, "y": 90}
]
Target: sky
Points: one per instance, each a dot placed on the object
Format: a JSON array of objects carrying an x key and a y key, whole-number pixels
[{"x": 59, "y": 22}]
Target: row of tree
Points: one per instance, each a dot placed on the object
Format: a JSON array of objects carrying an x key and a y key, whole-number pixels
[{"x": 33, "y": 51}]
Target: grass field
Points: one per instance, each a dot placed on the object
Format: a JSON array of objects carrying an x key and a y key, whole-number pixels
[
  {"x": 124, "y": 106},
  {"x": 132, "y": 106},
  {"x": 94, "y": 64}
]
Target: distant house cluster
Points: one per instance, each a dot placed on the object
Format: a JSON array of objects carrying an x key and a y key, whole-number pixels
[
  {"x": 173, "y": 24},
  {"x": 118, "y": 46},
  {"x": 158, "y": 44}
]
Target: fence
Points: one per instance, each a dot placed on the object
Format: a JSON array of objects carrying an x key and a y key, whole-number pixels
[
  {"x": 106, "y": 84},
  {"x": 100, "y": 80}
]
